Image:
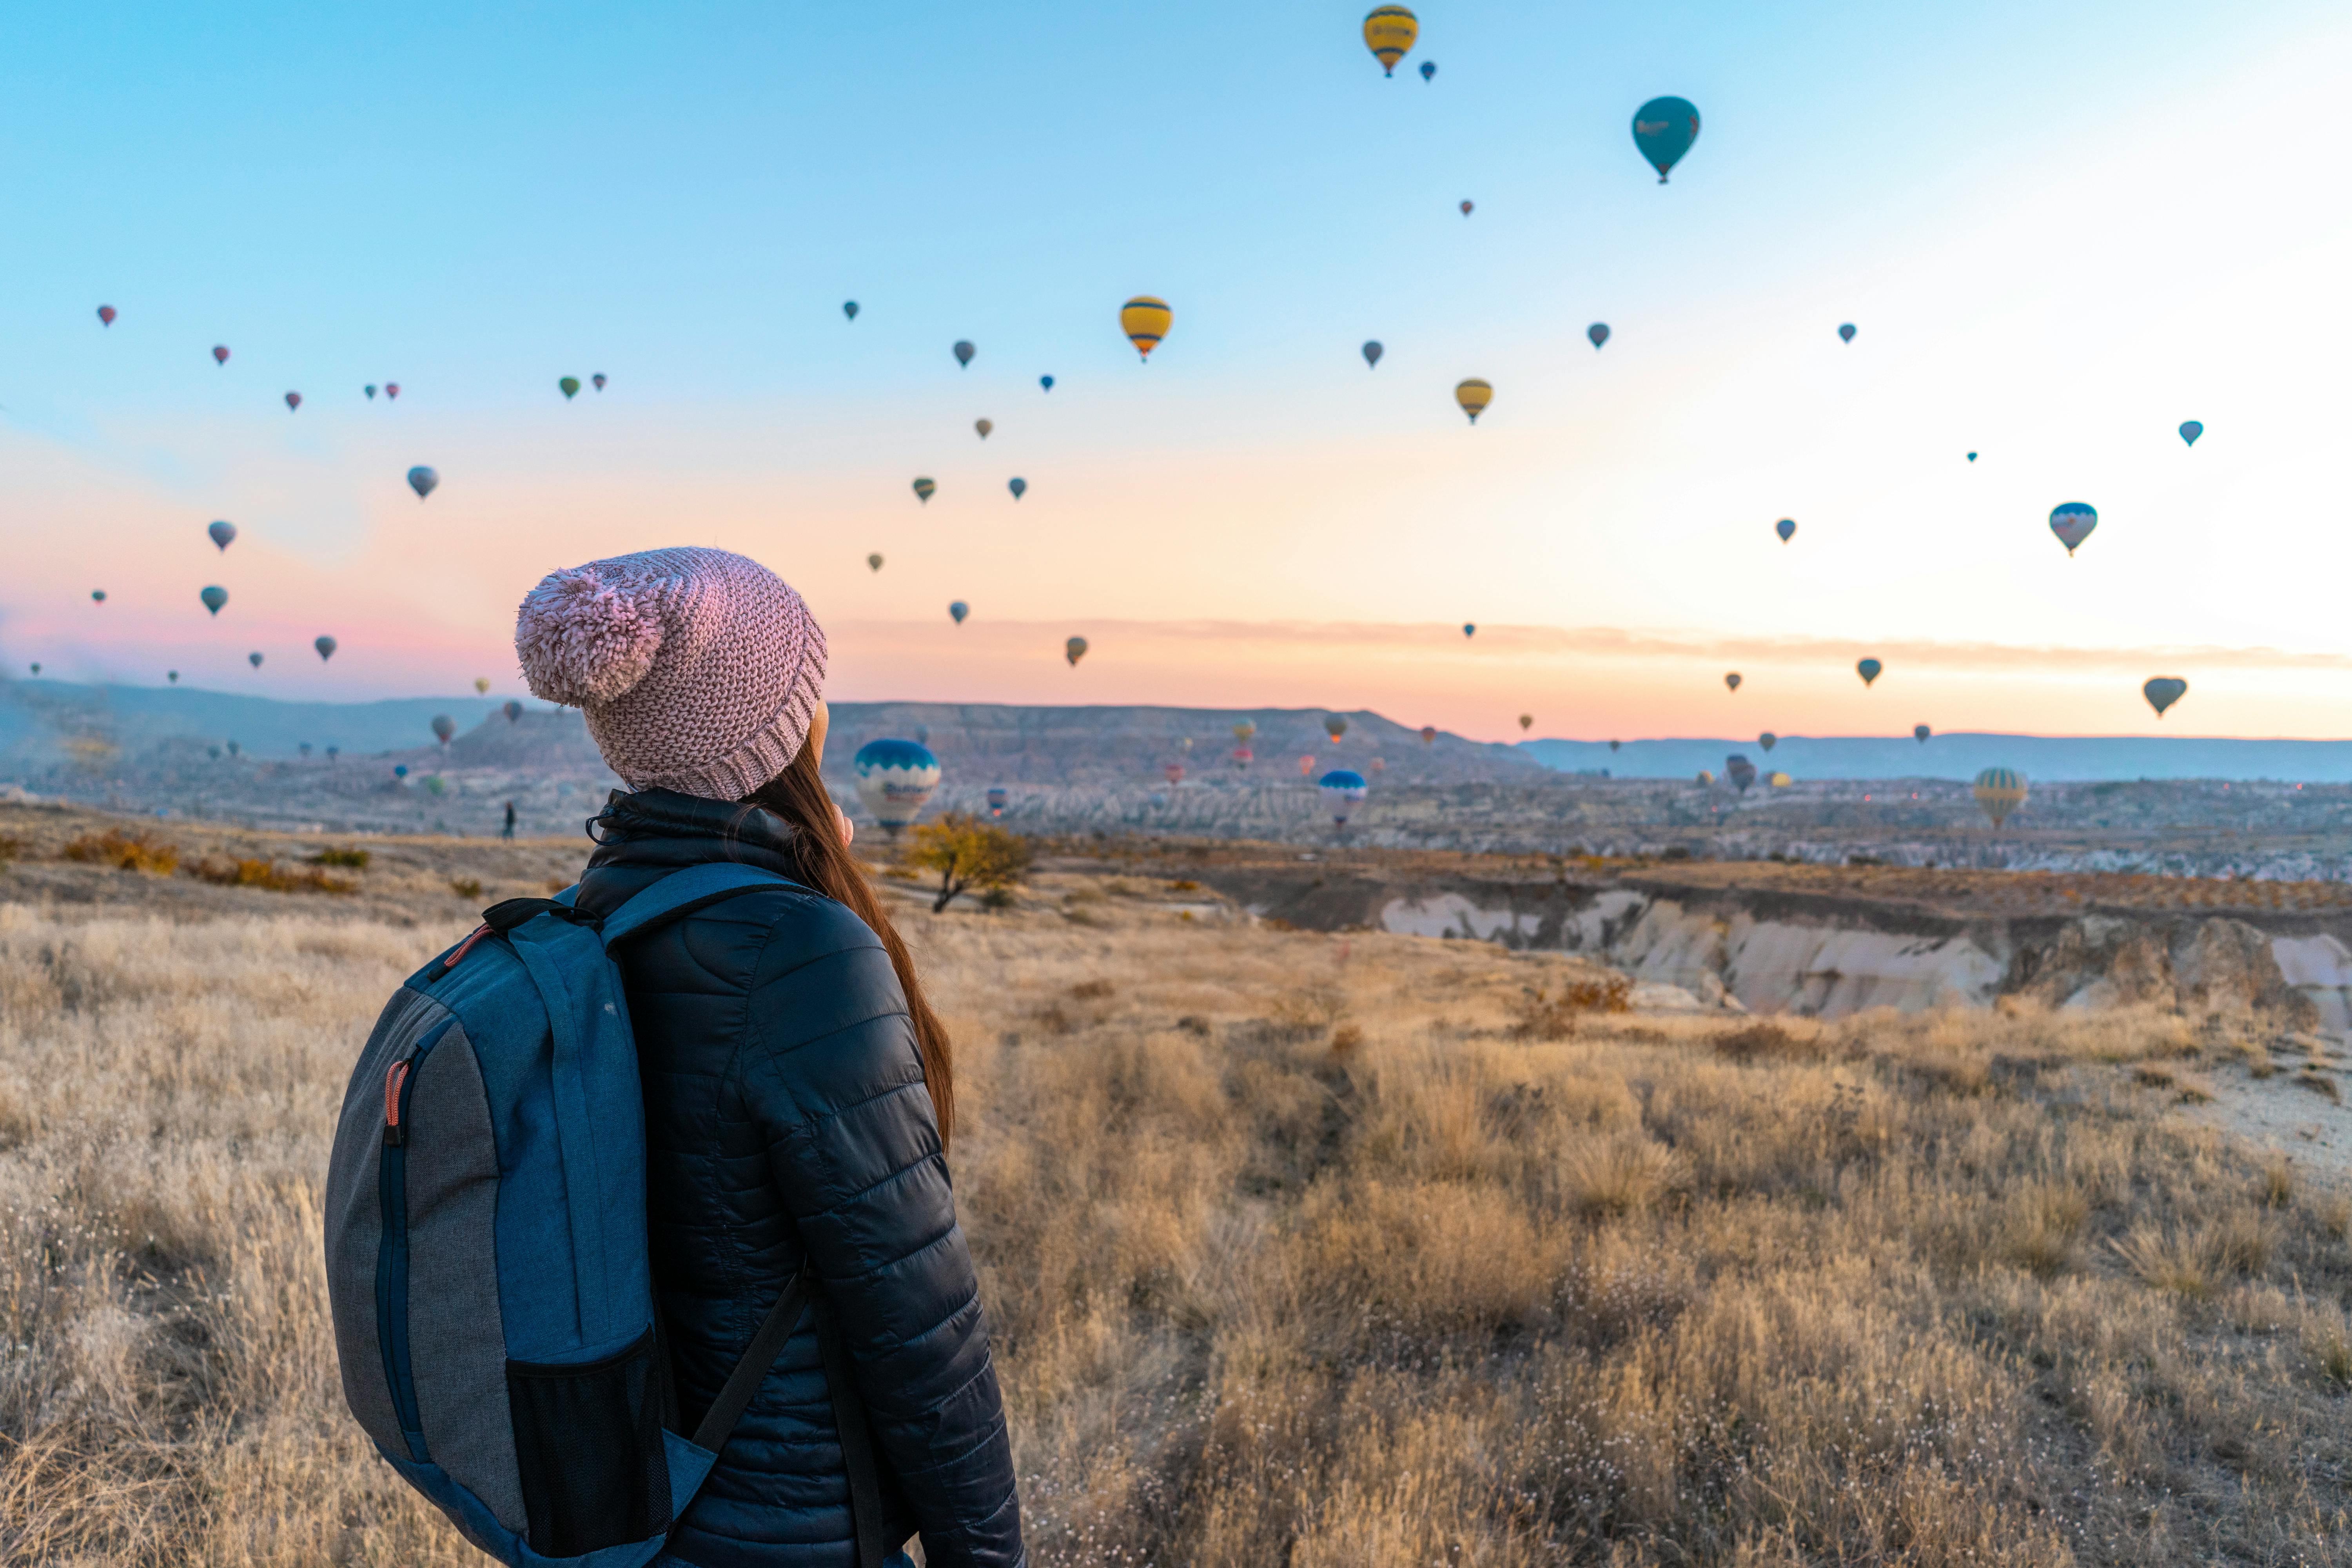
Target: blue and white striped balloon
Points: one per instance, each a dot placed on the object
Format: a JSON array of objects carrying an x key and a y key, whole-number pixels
[{"x": 896, "y": 779}]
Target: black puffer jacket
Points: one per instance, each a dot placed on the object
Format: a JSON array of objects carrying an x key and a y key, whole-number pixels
[{"x": 785, "y": 1115}]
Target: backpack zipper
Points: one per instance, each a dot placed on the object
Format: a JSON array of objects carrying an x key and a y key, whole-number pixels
[{"x": 392, "y": 1248}]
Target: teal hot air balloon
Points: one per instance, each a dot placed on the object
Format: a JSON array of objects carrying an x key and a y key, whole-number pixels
[
  {"x": 569, "y": 386},
  {"x": 963, "y": 352},
  {"x": 1598, "y": 333},
  {"x": 98, "y": 596},
  {"x": 1768, "y": 740},
  {"x": 849, "y": 309},
  {"x": 1845, "y": 332},
  {"x": 213, "y": 598},
  {"x": 222, "y": 533},
  {"x": 1868, "y": 670},
  {"x": 423, "y": 480},
  {"x": 1786, "y": 528},
  {"x": 959, "y": 610},
  {"x": 1047, "y": 381},
  {"x": 2164, "y": 691},
  {"x": 1019, "y": 486},
  {"x": 1372, "y": 353},
  {"x": 1972, "y": 456},
  {"x": 326, "y": 647},
  {"x": 1664, "y": 128},
  {"x": 1469, "y": 629},
  {"x": 1920, "y": 732},
  {"x": 2191, "y": 429},
  {"x": 895, "y": 779},
  {"x": 254, "y": 660},
  {"x": 2072, "y": 524},
  {"x": 513, "y": 711}
]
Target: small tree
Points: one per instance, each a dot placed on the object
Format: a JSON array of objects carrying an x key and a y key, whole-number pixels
[{"x": 967, "y": 853}]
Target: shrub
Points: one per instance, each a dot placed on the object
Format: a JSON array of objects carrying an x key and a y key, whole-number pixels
[
  {"x": 1764, "y": 1042},
  {"x": 350, "y": 855},
  {"x": 1540, "y": 1014},
  {"x": 465, "y": 887},
  {"x": 227, "y": 872},
  {"x": 10, "y": 847},
  {"x": 967, "y": 853},
  {"x": 126, "y": 852}
]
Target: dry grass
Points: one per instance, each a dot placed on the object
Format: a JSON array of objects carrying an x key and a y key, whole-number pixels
[{"x": 1296, "y": 1254}]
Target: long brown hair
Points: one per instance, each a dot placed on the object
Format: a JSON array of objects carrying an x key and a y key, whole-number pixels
[{"x": 798, "y": 795}]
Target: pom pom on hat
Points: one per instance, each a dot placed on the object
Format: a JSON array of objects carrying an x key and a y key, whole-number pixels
[{"x": 589, "y": 634}]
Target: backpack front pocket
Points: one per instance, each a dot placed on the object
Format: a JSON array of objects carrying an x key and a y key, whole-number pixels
[{"x": 588, "y": 1441}]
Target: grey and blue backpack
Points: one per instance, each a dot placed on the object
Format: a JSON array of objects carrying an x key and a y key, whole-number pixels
[{"x": 487, "y": 1258}]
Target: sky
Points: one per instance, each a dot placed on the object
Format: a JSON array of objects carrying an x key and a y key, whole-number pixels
[{"x": 2059, "y": 229}]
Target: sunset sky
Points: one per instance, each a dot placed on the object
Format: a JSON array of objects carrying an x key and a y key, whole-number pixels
[{"x": 2059, "y": 230}]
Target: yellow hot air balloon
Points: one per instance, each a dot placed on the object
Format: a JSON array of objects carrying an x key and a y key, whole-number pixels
[
  {"x": 1474, "y": 395},
  {"x": 481, "y": 683},
  {"x": 1145, "y": 321},
  {"x": 1389, "y": 33}
]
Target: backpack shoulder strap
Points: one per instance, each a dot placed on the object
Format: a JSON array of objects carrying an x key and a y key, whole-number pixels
[{"x": 683, "y": 892}]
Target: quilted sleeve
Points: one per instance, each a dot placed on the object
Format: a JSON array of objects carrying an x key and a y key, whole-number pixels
[{"x": 830, "y": 1072}]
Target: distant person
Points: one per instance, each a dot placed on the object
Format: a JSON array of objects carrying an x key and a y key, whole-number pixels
[
  {"x": 507, "y": 831},
  {"x": 799, "y": 1089}
]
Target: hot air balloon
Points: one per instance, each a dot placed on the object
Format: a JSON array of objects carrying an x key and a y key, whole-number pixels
[
  {"x": 1779, "y": 780},
  {"x": 1706, "y": 778},
  {"x": 326, "y": 647},
  {"x": 1343, "y": 790},
  {"x": 513, "y": 711},
  {"x": 254, "y": 660},
  {"x": 1047, "y": 381},
  {"x": 1073, "y": 650},
  {"x": 1473, "y": 396},
  {"x": 1526, "y": 722},
  {"x": 874, "y": 562},
  {"x": 1972, "y": 456},
  {"x": 171, "y": 675},
  {"x": 370, "y": 390},
  {"x": 1186, "y": 743},
  {"x": 1868, "y": 670},
  {"x": 849, "y": 309},
  {"x": 984, "y": 427},
  {"x": 923, "y": 489},
  {"x": 213, "y": 598},
  {"x": 1469, "y": 629},
  {"x": 1175, "y": 772},
  {"x": 98, "y": 596},
  {"x": 400, "y": 770},
  {"x": 1599, "y": 333},
  {"x": 597, "y": 381},
  {"x": 569, "y": 385},
  {"x": 304, "y": 748},
  {"x": 2164, "y": 691},
  {"x": 1428, "y": 69},
  {"x": 1018, "y": 485},
  {"x": 1739, "y": 771},
  {"x": 1920, "y": 732},
  {"x": 1732, "y": 680},
  {"x": 963, "y": 351},
  {"x": 2000, "y": 790},
  {"x": 423, "y": 480},
  {"x": 444, "y": 727},
  {"x": 1614, "y": 744},
  {"x": 392, "y": 389},
  {"x": 1372, "y": 353},
  {"x": 1307, "y": 765},
  {"x": 997, "y": 795},
  {"x": 958, "y": 611},
  {"x": 221, "y": 533},
  {"x": 922, "y": 734},
  {"x": 333, "y": 751},
  {"x": 1335, "y": 727},
  {"x": 220, "y": 354},
  {"x": 1242, "y": 756},
  {"x": 481, "y": 685},
  {"x": 293, "y": 401},
  {"x": 1768, "y": 740},
  {"x": 1468, "y": 206},
  {"x": 2191, "y": 429},
  {"x": 1244, "y": 730},
  {"x": 1145, "y": 321},
  {"x": 1429, "y": 734},
  {"x": 1845, "y": 332},
  {"x": 1389, "y": 33},
  {"x": 233, "y": 748},
  {"x": 2072, "y": 524},
  {"x": 1786, "y": 528},
  {"x": 894, "y": 778},
  {"x": 1664, "y": 128}
]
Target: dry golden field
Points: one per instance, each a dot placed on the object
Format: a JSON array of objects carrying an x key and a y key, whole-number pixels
[{"x": 1332, "y": 1252}]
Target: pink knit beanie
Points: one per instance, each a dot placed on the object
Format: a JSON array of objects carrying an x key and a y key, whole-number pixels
[{"x": 698, "y": 671}]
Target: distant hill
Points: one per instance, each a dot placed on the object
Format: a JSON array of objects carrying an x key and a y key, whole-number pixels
[
  {"x": 2048, "y": 759},
  {"x": 38, "y": 715}
]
